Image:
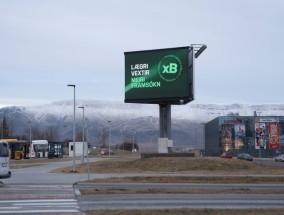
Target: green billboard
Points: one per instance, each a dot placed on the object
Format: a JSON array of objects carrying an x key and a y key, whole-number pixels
[{"x": 159, "y": 76}]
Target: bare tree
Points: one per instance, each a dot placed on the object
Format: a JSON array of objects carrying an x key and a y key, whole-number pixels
[
  {"x": 51, "y": 134},
  {"x": 103, "y": 137}
]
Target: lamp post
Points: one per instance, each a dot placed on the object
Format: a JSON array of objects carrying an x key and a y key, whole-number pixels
[
  {"x": 83, "y": 149},
  {"x": 121, "y": 140},
  {"x": 2, "y": 127},
  {"x": 109, "y": 137},
  {"x": 30, "y": 131},
  {"x": 204, "y": 135},
  {"x": 259, "y": 151},
  {"x": 87, "y": 134},
  {"x": 133, "y": 130},
  {"x": 74, "y": 135},
  {"x": 196, "y": 137}
]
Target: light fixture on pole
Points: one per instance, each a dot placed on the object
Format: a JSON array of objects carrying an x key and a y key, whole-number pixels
[
  {"x": 74, "y": 129},
  {"x": 83, "y": 145}
]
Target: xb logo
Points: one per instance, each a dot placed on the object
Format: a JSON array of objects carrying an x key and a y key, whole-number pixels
[{"x": 170, "y": 68}]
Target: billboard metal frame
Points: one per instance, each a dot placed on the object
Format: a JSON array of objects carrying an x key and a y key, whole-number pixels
[
  {"x": 160, "y": 95},
  {"x": 176, "y": 91}
]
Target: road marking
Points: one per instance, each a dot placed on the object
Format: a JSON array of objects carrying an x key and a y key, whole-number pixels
[
  {"x": 39, "y": 200},
  {"x": 40, "y": 206},
  {"x": 3, "y": 208},
  {"x": 77, "y": 192},
  {"x": 49, "y": 204},
  {"x": 38, "y": 211},
  {"x": 36, "y": 196}
]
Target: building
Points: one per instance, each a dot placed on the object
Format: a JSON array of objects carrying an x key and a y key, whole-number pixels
[
  {"x": 260, "y": 136},
  {"x": 80, "y": 148}
]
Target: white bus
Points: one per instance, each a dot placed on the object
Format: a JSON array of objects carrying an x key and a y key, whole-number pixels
[
  {"x": 4, "y": 161},
  {"x": 39, "y": 149}
]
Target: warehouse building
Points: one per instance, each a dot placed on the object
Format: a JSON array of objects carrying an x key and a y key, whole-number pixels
[{"x": 260, "y": 136}]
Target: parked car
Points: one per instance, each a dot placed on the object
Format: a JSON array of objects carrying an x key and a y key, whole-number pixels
[
  {"x": 279, "y": 158},
  {"x": 226, "y": 155},
  {"x": 106, "y": 152},
  {"x": 245, "y": 156}
]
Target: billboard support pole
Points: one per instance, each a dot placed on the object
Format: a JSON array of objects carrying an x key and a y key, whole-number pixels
[
  {"x": 164, "y": 77},
  {"x": 165, "y": 121}
]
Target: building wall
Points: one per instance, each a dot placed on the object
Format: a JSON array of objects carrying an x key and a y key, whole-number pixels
[
  {"x": 212, "y": 147},
  {"x": 78, "y": 148},
  {"x": 238, "y": 134}
]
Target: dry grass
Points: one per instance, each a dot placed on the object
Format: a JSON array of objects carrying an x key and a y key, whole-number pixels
[
  {"x": 98, "y": 190},
  {"x": 177, "y": 165},
  {"x": 189, "y": 212},
  {"x": 24, "y": 163},
  {"x": 193, "y": 179}
]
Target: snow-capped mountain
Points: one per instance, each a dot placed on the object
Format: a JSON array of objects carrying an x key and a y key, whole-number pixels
[{"x": 128, "y": 121}]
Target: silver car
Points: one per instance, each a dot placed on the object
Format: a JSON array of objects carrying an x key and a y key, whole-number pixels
[
  {"x": 245, "y": 156},
  {"x": 279, "y": 158}
]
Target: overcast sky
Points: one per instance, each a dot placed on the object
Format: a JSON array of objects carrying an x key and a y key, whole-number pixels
[{"x": 47, "y": 44}]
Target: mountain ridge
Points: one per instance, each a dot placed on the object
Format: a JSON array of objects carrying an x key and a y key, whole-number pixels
[{"x": 126, "y": 119}]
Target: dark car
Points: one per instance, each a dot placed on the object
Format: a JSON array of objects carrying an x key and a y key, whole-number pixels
[
  {"x": 226, "y": 155},
  {"x": 245, "y": 156}
]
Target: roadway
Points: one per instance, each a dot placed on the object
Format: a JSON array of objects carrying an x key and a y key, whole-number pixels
[
  {"x": 34, "y": 190},
  {"x": 172, "y": 201}
]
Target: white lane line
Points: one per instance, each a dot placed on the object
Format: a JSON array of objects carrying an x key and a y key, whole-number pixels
[
  {"x": 5, "y": 208},
  {"x": 38, "y": 200},
  {"x": 38, "y": 211},
  {"x": 51, "y": 204}
]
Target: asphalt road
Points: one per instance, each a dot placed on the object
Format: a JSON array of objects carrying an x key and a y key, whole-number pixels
[
  {"x": 40, "y": 175},
  {"x": 33, "y": 189},
  {"x": 161, "y": 201},
  {"x": 170, "y": 200},
  {"x": 269, "y": 162}
]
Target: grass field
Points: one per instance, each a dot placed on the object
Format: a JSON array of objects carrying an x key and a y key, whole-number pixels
[
  {"x": 205, "y": 165},
  {"x": 217, "y": 170},
  {"x": 189, "y": 212}
]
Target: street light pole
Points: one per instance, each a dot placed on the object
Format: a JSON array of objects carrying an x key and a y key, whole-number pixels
[
  {"x": 133, "y": 130},
  {"x": 87, "y": 134},
  {"x": 83, "y": 150},
  {"x": 259, "y": 141},
  {"x": 2, "y": 125},
  {"x": 30, "y": 131},
  {"x": 196, "y": 145},
  {"x": 109, "y": 138},
  {"x": 74, "y": 129}
]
